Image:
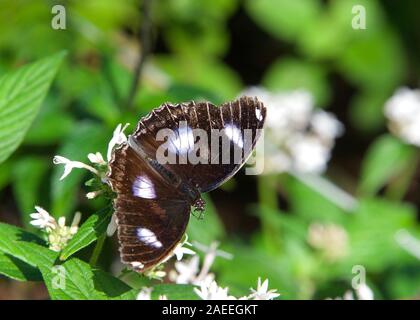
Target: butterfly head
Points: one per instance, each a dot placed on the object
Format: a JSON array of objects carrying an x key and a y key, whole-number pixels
[{"x": 199, "y": 207}]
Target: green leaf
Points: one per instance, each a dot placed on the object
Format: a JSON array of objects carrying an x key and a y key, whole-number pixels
[
  {"x": 91, "y": 230},
  {"x": 81, "y": 282},
  {"x": 16, "y": 269},
  {"x": 205, "y": 73},
  {"x": 385, "y": 159},
  {"x": 51, "y": 125},
  {"x": 366, "y": 109},
  {"x": 315, "y": 207},
  {"x": 374, "y": 63},
  {"x": 25, "y": 246},
  {"x": 249, "y": 263},
  {"x": 5, "y": 174},
  {"x": 174, "y": 292},
  {"x": 21, "y": 94},
  {"x": 28, "y": 178},
  {"x": 372, "y": 234},
  {"x": 293, "y": 74},
  {"x": 282, "y": 18}
]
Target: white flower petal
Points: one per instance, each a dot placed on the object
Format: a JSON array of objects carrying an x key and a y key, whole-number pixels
[
  {"x": 118, "y": 137},
  {"x": 96, "y": 158},
  {"x": 112, "y": 226},
  {"x": 145, "y": 294}
]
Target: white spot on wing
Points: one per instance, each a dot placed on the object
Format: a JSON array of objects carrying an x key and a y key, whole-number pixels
[
  {"x": 143, "y": 188},
  {"x": 148, "y": 237},
  {"x": 234, "y": 134},
  {"x": 183, "y": 139},
  {"x": 258, "y": 114},
  {"x": 137, "y": 265}
]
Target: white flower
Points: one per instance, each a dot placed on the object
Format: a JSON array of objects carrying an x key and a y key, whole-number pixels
[
  {"x": 403, "y": 104},
  {"x": 363, "y": 292},
  {"x": 118, "y": 137},
  {"x": 42, "y": 219},
  {"x": 296, "y": 108},
  {"x": 326, "y": 125},
  {"x": 262, "y": 292},
  {"x": 145, "y": 294},
  {"x": 301, "y": 137},
  {"x": 61, "y": 234},
  {"x": 331, "y": 239},
  {"x": 94, "y": 194},
  {"x": 112, "y": 226},
  {"x": 186, "y": 272},
  {"x": 155, "y": 274},
  {"x": 211, "y": 252},
  {"x": 137, "y": 265},
  {"x": 180, "y": 249},
  {"x": 284, "y": 109},
  {"x": 308, "y": 153},
  {"x": 96, "y": 158},
  {"x": 69, "y": 165},
  {"x": 403, "y": 112},
  {"x": 58, "y": 233},
  {"x": 211, "y": 291}
]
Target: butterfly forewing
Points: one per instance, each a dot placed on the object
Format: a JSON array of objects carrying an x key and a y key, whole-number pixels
[{"x": 232, "y": 119}]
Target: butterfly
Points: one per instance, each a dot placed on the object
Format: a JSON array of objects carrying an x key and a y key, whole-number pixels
[{"x": 153, "y": 197}]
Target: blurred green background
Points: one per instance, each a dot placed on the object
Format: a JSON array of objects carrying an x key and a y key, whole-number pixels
[{"x": 213, "y": 49}]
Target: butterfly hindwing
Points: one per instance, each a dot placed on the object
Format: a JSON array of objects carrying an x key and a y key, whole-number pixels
[{"x": 151, "y": 215}]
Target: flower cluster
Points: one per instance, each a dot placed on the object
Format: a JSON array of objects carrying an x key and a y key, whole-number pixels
[
  {"x": 188, "y": 272},
  {"x": 301, "y": 138},
  {"x": 146, "y": 294},
  {"x": 363, "y": 292},
  {"x": 330, "y": 239},
  {"x": 58, "y": 234},
  {"x": 403, "y": 113},
  {"x": 210, "y": 290}
]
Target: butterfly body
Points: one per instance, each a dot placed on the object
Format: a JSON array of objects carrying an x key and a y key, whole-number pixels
[{"x": 154, "y": 197}]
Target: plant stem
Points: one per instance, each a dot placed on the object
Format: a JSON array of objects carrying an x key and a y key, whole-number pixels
[
  {"x": 267, "y": 194},
  {"x": 145, "y": 39},
  {"x": 97, "y": 250},
  {"x": 267, "y": 191}
]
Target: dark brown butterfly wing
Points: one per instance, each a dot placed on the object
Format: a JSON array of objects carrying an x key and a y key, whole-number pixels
[
  {"x": 235, "y": 117},
  {"x": 151, "y": 214}
]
